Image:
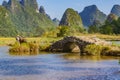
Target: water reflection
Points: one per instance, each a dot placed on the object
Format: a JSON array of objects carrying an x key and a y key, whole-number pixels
[
  {"x": 119, "y": 61},
  {"x": 24, "y": 54},
  {"x": 76, "y": 56}
]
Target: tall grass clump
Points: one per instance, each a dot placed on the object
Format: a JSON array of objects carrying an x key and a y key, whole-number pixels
[
  {"x": 96, "y": 50},
  {"x": 24, "y": 47}
]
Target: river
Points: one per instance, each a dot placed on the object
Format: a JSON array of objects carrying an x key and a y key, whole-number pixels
[
  {"x": 57, "y": 66},
  {"x": 116, "y": 42}
]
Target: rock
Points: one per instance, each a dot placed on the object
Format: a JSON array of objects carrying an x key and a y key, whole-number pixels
[
  {"x": 5, "y": 3},
  {"x": 116, "y": 10},
  {"x": 72, "y": 19},
  {"x": 56, "y": 21},
  {"x": 48, "y": 16},
  {"x": 112, "y": 17},
  {"x": 30, "y": 3},
  {"x": 42, "y": 10},
  {"x": 14, "y": 6},
  {"x": 92, "y": 13}
]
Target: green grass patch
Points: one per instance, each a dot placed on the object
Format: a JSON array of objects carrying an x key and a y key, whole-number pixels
[
  {"x": 96, "y": 50},
  {"x": 24, "y": 47}
]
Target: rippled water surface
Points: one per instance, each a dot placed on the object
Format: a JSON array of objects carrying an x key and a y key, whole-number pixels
[{"x": 64, "y": 66}]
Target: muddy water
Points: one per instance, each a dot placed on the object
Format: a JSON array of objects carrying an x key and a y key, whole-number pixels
[{"x": 64, "y": 66}]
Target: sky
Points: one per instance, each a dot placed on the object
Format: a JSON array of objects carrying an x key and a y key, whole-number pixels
[{"x": 56, "y": 8}]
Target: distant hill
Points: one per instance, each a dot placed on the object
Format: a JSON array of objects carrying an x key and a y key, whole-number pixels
[
  {"x": 112, "y": 17},
  {"x": 90, "y": 14},
  {"x": 116, "y": 10},
  {"x": 23, "y": 17},
  {"x": 72, "y": 19},
  {"x": 27, "y": 18},
  {"x": 56, "y": 21}
]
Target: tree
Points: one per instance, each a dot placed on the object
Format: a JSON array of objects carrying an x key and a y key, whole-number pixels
[
  {"x": 106, "y": 29},
  {"x": 93, "y": 29},
  {"x": 63, "y": 31}
]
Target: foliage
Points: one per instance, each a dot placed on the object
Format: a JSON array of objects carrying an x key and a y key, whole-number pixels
[
  {"x": 63, "y": 31},
  {"x": 52, "y": 33},
  {"x": 30, "y": 23},
  {"x": 116, "y": 26},
  {"x": 7, "y": 28},
  {"x": 111, "y": 27},
  {"x": 96, "y": 49},
  {"x": 17, "y": 47},
  {"x": 106, "y": 29},
  {"x": 24, "y": 47},
  {"x": 23, "y": 20},
  {"x": 93, "y": 29},
  {"x": 72, "y": 19}
]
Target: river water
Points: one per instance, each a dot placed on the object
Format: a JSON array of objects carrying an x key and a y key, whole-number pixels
[
  {"x": 59, "y": 66},
  {"x": 116, "y": 42}
]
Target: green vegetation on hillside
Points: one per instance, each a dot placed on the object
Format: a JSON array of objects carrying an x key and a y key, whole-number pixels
[
  {"x": 7, "y": 27},
  {"x": 110, "y": 28},
  {"x": 23, "y": 18},
  {"x": 72, "y": 20}
]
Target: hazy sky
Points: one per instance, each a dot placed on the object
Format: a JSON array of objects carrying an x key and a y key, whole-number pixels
[{"x": 56, "y": 8}]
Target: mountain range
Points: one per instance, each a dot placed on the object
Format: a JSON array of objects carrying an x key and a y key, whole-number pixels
[
  {"x": 23, "y": 17},
  {"x": 91, "y": 14}
]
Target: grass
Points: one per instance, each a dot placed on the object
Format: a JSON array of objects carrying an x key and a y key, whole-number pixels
[
  {"x": 33, "y": 45},
  {"x": 44, "y": 42},
  {"x": 6, "y": 41},
  {"x": 98, "y": 50},
  {"x": 101, "y": 36},
  {"x": 41, "y": 40},
  {"x": 49, "y": 40},
  {"x": 23, "y": 48}
]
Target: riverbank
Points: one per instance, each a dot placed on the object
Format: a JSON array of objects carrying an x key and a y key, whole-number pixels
[
  {"x": 49, "y": 40},
  {"x": 101, "y": 36},
  {"x": 41, "y": 40},
  {"x": 44, "y": 42}
]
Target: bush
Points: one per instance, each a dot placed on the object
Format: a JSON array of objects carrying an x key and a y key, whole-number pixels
[
  {"x": 96, "y": 49},
  {"x": 63, "y": 31},
  {"x": 24, "y": 47},
  {"x": 34, "y": 47}
]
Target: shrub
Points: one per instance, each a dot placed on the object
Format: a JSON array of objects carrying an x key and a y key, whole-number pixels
[
  {"x": 96, "y": 49},
  {"x": 17, "y": 47},
  {"x": 24, "y": 47},
  {"x": 33, "y": 47},
  {"x": 63, "y": 31}
]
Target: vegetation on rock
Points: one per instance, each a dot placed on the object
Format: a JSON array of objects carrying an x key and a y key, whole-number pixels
[
  {"x": 72, "y": 19},
  {"x": 98, "y": 50},
  {"x": 24, "y": 47},
  {"x": 7, "y": 27},
  {"x": 24, "y": 17}
]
